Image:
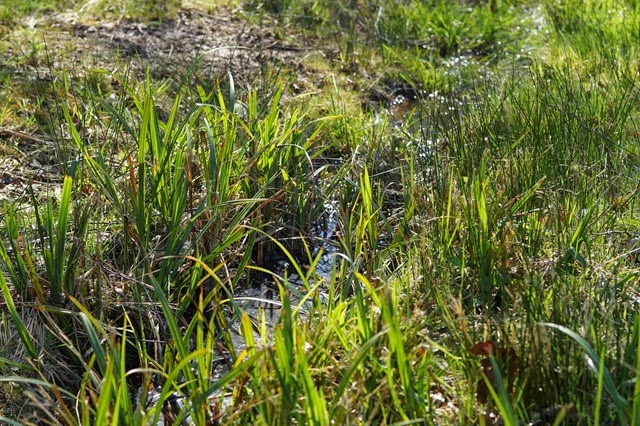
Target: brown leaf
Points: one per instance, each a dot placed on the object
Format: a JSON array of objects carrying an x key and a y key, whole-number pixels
[
  {"x": 506, "y": 358},
  {"x": 484, "y": 348}
]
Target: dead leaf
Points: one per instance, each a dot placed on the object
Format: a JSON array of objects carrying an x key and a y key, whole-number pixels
[{"x": 506, "y": 358}]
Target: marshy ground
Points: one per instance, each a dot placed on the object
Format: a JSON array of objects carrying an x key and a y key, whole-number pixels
[{"x": 348, "y": 212}]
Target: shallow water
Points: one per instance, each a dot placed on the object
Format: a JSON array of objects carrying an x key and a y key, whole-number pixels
[{"x": 262, "y": 300}]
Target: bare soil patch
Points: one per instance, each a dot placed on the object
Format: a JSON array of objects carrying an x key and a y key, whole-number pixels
[{"x": 220, "y": 42}]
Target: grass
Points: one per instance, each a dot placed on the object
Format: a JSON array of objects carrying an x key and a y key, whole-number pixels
[{"x": 484, "y": 262}]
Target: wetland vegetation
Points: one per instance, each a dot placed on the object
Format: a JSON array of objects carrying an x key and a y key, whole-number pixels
[{"x": 466, "y": 174}]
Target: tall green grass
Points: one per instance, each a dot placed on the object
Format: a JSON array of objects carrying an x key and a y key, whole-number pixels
[{"x": 500, "y": 212}]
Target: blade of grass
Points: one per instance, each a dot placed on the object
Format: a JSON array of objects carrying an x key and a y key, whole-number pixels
[
  {"x": 621, "y": 405},
  {"x": 15, "y": 318}
]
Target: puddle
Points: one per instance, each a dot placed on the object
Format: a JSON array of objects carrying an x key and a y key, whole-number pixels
[
  {"x": 262, "y": 300},
  {"x": 264, "y": 297},
  {"x": 402, "y": 106}
]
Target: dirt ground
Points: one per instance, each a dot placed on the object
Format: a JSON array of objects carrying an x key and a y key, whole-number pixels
[{"x": 222, "y": 41}]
